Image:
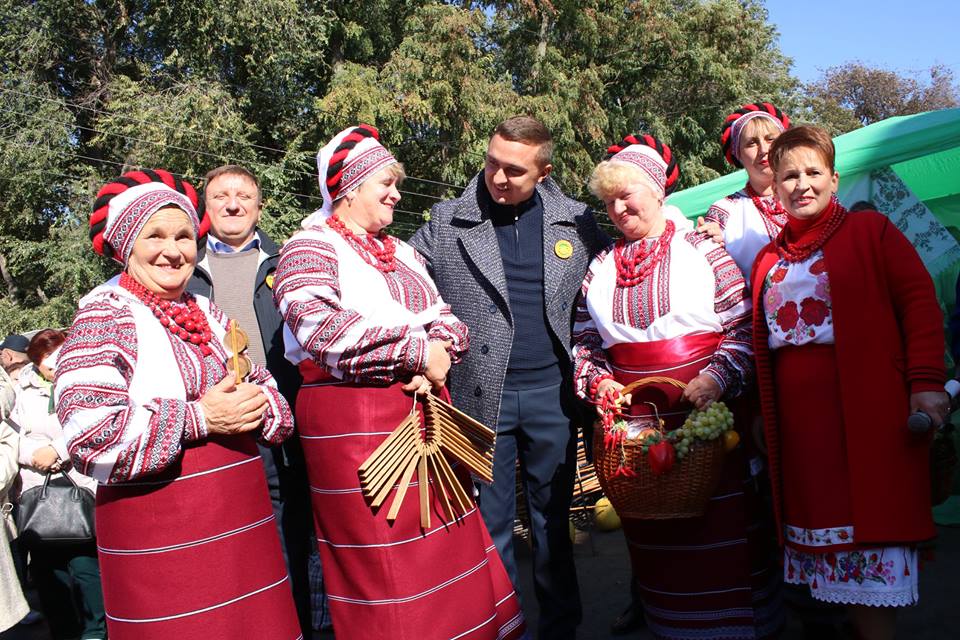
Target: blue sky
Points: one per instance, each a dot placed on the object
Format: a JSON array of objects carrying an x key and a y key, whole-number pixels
[{"x": 907, "y": 37}]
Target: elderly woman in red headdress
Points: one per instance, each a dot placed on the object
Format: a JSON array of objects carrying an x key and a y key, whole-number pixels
[
  {"x": 187, "y": 544},
  {"x": 365, "y": 324},
  {"x": 666, "y": 303},
  {"x": 849, "y": 340},
  {"x": 748, "y": 219}
]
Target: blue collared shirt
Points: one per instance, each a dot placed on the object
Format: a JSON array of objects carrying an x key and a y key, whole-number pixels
[{"x": 216, "y": 246}]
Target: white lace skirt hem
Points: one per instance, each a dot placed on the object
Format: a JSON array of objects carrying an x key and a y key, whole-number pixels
[{"x": 881, "y": 577}]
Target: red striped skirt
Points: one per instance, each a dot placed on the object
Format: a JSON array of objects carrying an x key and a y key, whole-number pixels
[
  {"x": 712, "y": 576},
  {"x": 193, "y": 553},
  {"x": 394, "y": 581}
]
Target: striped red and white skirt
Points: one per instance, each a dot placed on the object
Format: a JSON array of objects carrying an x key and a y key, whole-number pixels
[
  {"x": 712, "y": 576},
  {"x": 193, "y": 553},
  {"x": 395, "y": 580}
]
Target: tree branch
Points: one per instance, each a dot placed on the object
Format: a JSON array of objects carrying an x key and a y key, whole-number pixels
[{"x": 12, "y": 288}]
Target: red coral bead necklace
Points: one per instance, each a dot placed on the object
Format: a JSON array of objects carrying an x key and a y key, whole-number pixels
[
  {"x": 382, "y": 258},
  {"x": 794, "y": 250},
  {"x": 632, "y": 270},
  {"x": 772, "y": 211},
  {"x": 184, "y": 320}
]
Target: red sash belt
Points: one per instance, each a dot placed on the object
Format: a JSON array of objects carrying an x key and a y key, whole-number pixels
[
  {"x": 313, "y": 374},
  {"x": 679, "y": 358},
  {"x": 663, "y": 353}
]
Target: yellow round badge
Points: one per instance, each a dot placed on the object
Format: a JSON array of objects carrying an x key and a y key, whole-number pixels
[
  {"x": 563, "y": 249},
  {"x": 269, "y": 281}
]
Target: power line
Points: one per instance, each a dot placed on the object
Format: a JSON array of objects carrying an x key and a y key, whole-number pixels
[
  {"x": 92, "y": 190},
  {"x": 191, "y": 178},
  {"x": 163, "y": 145},
  {"x": 210, "y": 136}
]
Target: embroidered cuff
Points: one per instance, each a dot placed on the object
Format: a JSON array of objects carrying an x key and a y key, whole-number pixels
[
  {"x": 277, "y": 421},
  {"x": 718, "y": 374},
  {"x": 414, "y": 356},
  {"x": 194, "y": 423}
]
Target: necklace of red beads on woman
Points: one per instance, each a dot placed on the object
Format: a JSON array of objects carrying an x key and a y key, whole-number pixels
[
  {"x": 792, "y": 250},
  {"x": 382, "y": 258},
  {"x": 632, "y": 270},
  {"x": 184, "y": 320},
  {"x": 772, "y": 211}
]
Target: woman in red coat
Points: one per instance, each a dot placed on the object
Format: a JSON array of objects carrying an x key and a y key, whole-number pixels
[{"x": 848, "y": 340}]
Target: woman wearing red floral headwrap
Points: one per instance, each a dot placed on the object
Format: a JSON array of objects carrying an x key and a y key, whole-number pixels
[
  {"x": 186, "y": 540},
  {"x": 365, "y": 324},
  {"x": 748, "y": 219},
  {"x": 667, "y": 303},
  {"x": 849, "y": 341}
]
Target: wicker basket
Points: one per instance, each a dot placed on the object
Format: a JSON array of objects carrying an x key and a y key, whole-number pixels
[{"x": 681, "y": 492}]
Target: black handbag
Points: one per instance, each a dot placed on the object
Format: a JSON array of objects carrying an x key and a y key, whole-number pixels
[{"x": 58, "y": 512}]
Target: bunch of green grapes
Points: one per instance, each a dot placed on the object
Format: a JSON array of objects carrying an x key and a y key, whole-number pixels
[{"x": 708, "y": 424}]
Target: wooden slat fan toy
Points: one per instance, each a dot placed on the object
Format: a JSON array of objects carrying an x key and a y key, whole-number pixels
[{"x": 449, "y": 435}]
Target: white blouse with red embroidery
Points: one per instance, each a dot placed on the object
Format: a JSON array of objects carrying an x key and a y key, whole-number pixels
[
  {"x": 696, "y": 288},
  {"x": 354, "y": 321},
  {"x": 127, "y": 390},
  {"x": 745, "y": 230},
  {"x": 796, "y": 303}
]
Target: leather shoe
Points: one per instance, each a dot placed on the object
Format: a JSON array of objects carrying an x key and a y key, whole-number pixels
[{"x": 630, "y": 620}]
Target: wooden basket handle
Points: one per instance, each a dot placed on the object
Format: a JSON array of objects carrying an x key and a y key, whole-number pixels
[{"x": 639, "y": 382}]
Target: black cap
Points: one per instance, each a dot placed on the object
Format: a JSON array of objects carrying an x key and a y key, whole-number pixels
[{"x": 15, "y": 342}]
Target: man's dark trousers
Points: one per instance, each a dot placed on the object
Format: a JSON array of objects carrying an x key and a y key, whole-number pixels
[{"x": 535, "y": 426}]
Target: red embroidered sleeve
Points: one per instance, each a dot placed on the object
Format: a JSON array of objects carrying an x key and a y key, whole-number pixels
[
  {"x": 111, "y": 437},
  {"x": 732, "y": 364},
  {"x": 589, "y": 357},
  {"x": 307, "y": 293}
]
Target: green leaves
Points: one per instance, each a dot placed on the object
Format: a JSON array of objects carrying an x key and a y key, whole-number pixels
[{"x": 90, "y": 89}]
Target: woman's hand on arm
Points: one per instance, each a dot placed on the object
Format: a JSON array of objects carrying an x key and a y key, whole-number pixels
[
  {"x": 702, "y": 390},
  {"x": 710, "y": 229},
  {"x": 230, "y": 408}
]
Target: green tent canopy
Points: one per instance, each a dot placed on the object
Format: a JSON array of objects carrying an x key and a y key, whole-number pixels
[
  {"x": 923, "y": 149},
  {"x": 908, "y": 167}
]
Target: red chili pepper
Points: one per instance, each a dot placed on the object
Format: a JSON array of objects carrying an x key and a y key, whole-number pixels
[
  {"x": 624, "y": 471},
  {"x": 661, "y": 457}
]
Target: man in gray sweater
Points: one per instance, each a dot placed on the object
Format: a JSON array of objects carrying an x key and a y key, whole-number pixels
[
  {"x": 235, "y": 269},
  {"x": 509, "y": 256}
]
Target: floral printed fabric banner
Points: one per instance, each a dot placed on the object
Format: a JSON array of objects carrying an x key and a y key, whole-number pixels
[{"x": 933, "y": 242}]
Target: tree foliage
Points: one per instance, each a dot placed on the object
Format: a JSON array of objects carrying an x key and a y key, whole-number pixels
[
  {"x": 90, "y": 88},
  {"x": 854, "y": 95}
]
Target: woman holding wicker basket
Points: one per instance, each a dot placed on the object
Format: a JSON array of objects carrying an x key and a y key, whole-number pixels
[{"x": 666, "y": 314}]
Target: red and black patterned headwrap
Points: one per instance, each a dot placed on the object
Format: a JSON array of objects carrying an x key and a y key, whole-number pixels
[
  {"x": 734, "y": 123},
  {"x": 672, "y": 169},
  {"x": 335, "y": 169},
  {"x": 101, "y": 206}
]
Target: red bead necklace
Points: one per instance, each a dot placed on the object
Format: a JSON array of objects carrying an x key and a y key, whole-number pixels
[
  {"x": 632, "y": 270},
  {"x": 798, "y": 251},
  {"x": 383, "y": 258},
  {"x": 184, "y": 320},
  {"x": 772, "y": 211}
]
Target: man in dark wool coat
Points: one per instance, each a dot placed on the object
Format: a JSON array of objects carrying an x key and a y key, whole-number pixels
[{"x": 509, "y": 256}]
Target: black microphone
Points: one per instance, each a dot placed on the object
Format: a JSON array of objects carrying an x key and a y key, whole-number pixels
[{"x": 920, "y": 422}]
